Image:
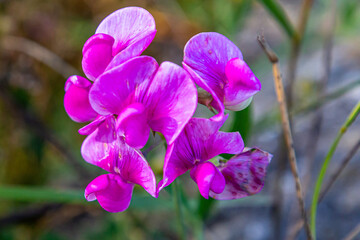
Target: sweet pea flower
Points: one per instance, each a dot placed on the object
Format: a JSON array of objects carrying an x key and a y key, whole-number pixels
[
  {"x": 126, "y": 167},
  {"x": 200, "y": 141},
  {"x": 122, "y": 35},
  {"x": 145, "y": 96},
  {"x": 217, "y": 66}
]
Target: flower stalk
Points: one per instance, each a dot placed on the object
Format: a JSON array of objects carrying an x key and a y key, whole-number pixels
[
  {"x": 179, "y": 214},
  {"x": 279, "y": 88}
]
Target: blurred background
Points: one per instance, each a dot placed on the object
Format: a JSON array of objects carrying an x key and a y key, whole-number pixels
[{"x": 42, "y": 174}]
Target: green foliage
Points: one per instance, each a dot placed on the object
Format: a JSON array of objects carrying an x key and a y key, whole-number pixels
[{"x": 276, "y": 10}]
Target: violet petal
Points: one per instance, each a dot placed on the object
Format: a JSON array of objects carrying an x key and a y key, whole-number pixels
[
  {"x": 242, "y": 85},
  {"x": 199, "y": 141},
  {"x": 76, "y": 99},
  {"x": 131, "y": 51},
  {"x": 244, "y": 174},
  {"x": 122, "y": 85},
  {"x": 98, "y": 147},
  {"x": 171, "y": 100},
  {"x": 132, "y": 124},
  {"x": 208, "y": 177},
  {"x": 133, "y": 167},
  {"x": 112, "y": 192},
  {"x": 91, "y": 127},
  {"x": 205, "y": 58},
  {"x": 97, "y": 53},
  {"x": 128, "y": 26}
]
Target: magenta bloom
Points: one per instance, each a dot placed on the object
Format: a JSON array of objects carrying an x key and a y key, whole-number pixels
[
  {"x": 122, "y": 35},
  {"x": 200, "y": 141},
  {"x": 76, "y": 99},
  {"x": 127, "y": 166},
  {"x": 145, "y": 96},
  {"x": 217, "y": 66}
]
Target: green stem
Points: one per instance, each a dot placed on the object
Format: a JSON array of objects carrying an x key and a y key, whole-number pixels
[
  {"x": 38, "y": 194},
  {"x": 50, "y": 195},
  {"x": 350, "y": 119},
  {"x": 177, "y": 205}
]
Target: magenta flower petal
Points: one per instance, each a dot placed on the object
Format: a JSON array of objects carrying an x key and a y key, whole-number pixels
[
  {"x": 112, "y": 192},
  {"x": 132, "y": 167},
  {"x": 242, "y": 85},
  {"x": 132, "y": 124},
  {"x": 207, "y": 54},
  {"x": 91, "y": 127},
  {"x": 171, "y": 100},
  {"x": 199, "y": 141},
  {"x": 244, "y": 174},
  {"x": 208, "y": 177},
  {"x": 98, "y": 147},
  {"x": 215, "y": 103},
  {"x": 123, "y": 85},
  {"x": 206, "y": 141},
  {"x": 97, "y": 54},
  {"x": 131, "y": 51},
  {"x": 76, "y": 99},
  {"x": 216, "y": 65},
  {"x": 174, "y": 165},
  {"x": 129, "y": 26}
]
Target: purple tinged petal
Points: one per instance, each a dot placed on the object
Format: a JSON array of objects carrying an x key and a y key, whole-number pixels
[
  {"x": 98, "y": 147},
  {"x": 112, "y": 192},
  {"x": 208, "y": 177},
  {"x": 226, "y": 142},
  {"x": 123, "y": 85},
  {"x": 205, "y": 58},
  {"x": 207, "y": 54},
  {"x": 132, "y": 124},
  {"x": 129, "y": 26},
  {"x": 216, "y": 65},
  {"x": 171, "y": 100},
  {"x": 132, "y": 167},
  {"x": 244, "y": 174},
  {"x": 76, "y": 99},
  {"x": 203, "y": 138},
  {"x": 215, "y": 103},
  {"x": 91, "y": 127},
  {"x": 77, "y": 81},
  {"x": 242, "y": 85},
  {"x": 131, "y": 51},
  {"x": 199, "y": 142},
  {"x": 175, "y": 165},
  {"x": 97, "y": 53}
]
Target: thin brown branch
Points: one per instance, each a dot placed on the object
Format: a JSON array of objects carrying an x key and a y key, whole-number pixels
[
  {"x": 39, "y": 53},
  {"x": 353, "y": 233},
  {"x": 325, "y": 98},
  {"x": 315, "y": 128},
  {"x": 279, "y": 88},
  {"x": 298, "y": 225},
  {"x": 295, "y": 49}
]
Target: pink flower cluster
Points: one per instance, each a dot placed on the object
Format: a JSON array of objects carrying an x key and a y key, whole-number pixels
[{"x": 127, "y": 95}]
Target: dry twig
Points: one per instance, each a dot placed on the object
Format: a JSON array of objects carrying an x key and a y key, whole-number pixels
[
  {"x": 353, "y": 233},
  {"x": 39, "y": 53},
  {"x": 299, "y": 224},
  {"x": 339, "y": 170},
  {"x": 279, "y": 88}
]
